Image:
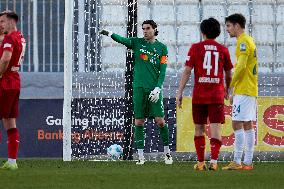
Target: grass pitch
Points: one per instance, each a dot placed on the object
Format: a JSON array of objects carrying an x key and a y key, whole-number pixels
[{"x": 49, "y": 174}]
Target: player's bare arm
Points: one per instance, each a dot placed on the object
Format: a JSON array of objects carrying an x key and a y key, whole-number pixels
[
  {"x": 4, "y": 61},
  {"x": 184, "y": 79},
  {"x": 228, "y": 79}
]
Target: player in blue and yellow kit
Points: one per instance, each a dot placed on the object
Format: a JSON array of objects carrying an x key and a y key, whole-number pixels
[
  {"x": 150, "y": 63},
  {"x": 244, "y": 86}
]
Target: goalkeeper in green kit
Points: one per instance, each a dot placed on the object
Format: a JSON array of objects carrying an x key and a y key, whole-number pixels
[{"x": 149, "y": 73}]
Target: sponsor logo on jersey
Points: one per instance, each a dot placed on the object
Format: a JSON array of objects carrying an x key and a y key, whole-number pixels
[
  {"x": 146, "y": 52},
  {"x": 243, "y": 47},
  {"x": 7, "y": 45},
  {"x": 144, "y": 57},
  {"x": 164, "y": 60}
]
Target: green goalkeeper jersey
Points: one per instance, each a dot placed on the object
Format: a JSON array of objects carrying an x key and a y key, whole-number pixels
[{"x": 150, "y": 61}]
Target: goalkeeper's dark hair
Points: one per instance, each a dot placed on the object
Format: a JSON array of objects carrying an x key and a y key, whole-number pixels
[
  {"x": 153, "y": 24},
  {"x": 10, "y": 14},
  {"x": 237, "y": 19},
  {"x": 211, "y": 28}
]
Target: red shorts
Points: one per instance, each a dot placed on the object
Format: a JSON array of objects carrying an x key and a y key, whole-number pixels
[
  {"x": 208, "y": 113},
  {"x": 9, "y": 103}
]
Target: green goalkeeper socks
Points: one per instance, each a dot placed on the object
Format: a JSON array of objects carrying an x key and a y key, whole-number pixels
[
  {"x": 164, "y": 132},
  {"x": 139, "y": 136}
]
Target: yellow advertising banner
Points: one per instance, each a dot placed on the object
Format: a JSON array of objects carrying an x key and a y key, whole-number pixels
[{"x": 269, "y": 126}]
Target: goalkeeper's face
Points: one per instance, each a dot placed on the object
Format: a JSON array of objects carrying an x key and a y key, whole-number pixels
[{"x": 148, "y": 31}]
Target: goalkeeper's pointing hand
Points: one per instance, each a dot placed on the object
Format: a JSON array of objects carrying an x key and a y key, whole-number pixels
[
  {"x": 106, "y": 32},
  {"x": 154, "y": 95}
]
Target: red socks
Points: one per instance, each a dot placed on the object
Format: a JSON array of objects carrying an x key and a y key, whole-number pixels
[
  {"x": 13, "y": 143},
  {"x": 199, "y": 142},
  {"x": 215, "y": 145}
]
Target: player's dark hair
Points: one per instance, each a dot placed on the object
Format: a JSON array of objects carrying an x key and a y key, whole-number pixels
[
  {"x": 237, "y": 19},
  {"x": 10, "y": 14},
  {"x": 211, "y": 28},
  {"x": 153, "y": 24}
]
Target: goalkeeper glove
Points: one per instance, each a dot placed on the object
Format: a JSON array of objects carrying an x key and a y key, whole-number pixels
[
  {"x": 106, "y": 32},
  {"x": 154, "y": 95}
]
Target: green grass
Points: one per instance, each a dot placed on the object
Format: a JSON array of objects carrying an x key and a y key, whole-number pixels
[{"x": 51, "y": 174}]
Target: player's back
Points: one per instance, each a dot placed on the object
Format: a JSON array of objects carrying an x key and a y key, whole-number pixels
[{"x": 209, "y": 60}]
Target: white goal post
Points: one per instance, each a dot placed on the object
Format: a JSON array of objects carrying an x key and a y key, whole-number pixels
[{"x": 68, "y": 62}]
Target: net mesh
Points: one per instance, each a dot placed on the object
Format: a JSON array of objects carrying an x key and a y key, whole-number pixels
[{"x": 99, "y": 63}]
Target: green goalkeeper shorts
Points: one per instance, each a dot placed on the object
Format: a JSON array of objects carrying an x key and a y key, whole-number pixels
[{"x": 143, "y": 107}]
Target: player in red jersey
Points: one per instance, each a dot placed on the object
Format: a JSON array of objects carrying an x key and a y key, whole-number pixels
[
  {"x": 209, "y": 59},
  {"x": 12, "y": 51},
  {"x": 1, "y": 39}
]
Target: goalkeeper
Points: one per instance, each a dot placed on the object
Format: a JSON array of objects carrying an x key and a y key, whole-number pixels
[{"x": 149, "y": 73}]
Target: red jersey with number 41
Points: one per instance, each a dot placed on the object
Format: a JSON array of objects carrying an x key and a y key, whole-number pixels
[
  {"x": 209, "y": 59},
  {"x": 16, "y": 44}
]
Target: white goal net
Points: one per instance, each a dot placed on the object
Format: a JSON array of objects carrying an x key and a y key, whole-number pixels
[{"x": 94, "y": 88}]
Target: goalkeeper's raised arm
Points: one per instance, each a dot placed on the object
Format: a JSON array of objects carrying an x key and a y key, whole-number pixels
[{"x": 123, "y": 40}]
